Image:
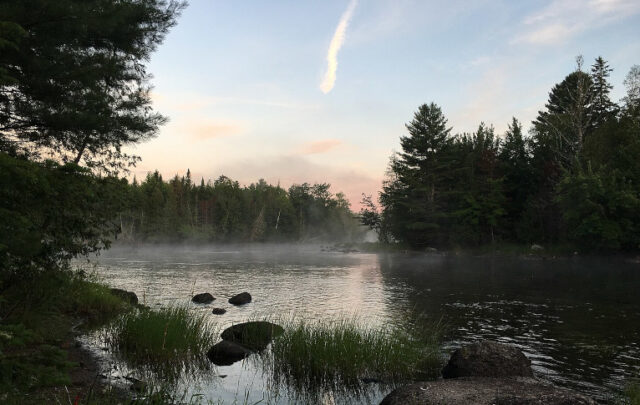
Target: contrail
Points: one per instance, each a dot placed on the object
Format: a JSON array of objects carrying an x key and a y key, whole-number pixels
[{"x": 335, "y": 45}]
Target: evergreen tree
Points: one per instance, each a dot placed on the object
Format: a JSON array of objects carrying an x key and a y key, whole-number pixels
[
  {"x": 603, "y": 108},
  {"x": 515, "y": 167},
  {"x": 413, "y": 198},
  {"x": 79, "y": 89}
]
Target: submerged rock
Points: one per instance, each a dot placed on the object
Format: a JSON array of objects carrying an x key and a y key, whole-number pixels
[
  {"x": 253, "y": 335},
  {"x": 125, "y": 295},
  {"x": 240, "y": 299},
  {"x": 487, "y": 359},
  {"x": 203, "y": 298},
  {"x": 218, "y": 311},
  {"x": 225, "y": 353},
  {"x": 485, "y": 391}
]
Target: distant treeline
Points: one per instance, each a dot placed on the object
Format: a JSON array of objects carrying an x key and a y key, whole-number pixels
[
  {"x": 574, "y": 180},
  {"x": 223, "y": 211}
]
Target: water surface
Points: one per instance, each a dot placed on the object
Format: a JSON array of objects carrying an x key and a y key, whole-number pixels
[{"x": 577, "y": 319}]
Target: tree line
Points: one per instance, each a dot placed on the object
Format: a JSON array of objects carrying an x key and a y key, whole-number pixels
[
  {"x": 223, "y": 211},
  {"x": 574, "y": 179}
]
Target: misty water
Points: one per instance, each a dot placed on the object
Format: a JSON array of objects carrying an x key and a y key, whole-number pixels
[{"x": 577, "y": 319}]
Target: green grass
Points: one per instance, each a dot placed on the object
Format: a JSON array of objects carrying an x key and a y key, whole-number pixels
[
  {"x": 335, "y": 356},
  {"x": 37, "y": 317},
  {"x": 164, "y": 341},
  {"x": 632, "y": 392}
]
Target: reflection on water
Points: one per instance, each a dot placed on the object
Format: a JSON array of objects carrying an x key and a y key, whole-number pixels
[{"x": 577, "y": 319}]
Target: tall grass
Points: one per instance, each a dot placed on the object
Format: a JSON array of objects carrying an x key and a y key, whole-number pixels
[
  {"x": 632, "y": 392},
  {"x": 335, "y": 356},
  {"x": 165, "y": 341}
]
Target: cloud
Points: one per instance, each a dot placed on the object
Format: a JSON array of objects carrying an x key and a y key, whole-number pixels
[
  {"x": 321, "y": 146},
  {"x": 205, "y": 130},
  {"x": 336, "y": 43},
  {"x": 288, "y": 170},
  {"x": 563, "y": 19}
]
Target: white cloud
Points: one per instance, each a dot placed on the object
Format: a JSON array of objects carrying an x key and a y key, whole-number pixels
[
  {"x": 563, "y": 19},
  {"x": 336, "y": 43}
]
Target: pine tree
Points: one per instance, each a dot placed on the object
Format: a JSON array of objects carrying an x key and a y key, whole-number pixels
[
  {"x": 413, "y": 198},
  {"x": 79, "y": 89},
  {"x": 603, "y": 108},
  {"x": 515, "y": 167}
]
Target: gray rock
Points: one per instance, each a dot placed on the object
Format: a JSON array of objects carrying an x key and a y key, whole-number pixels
[
  {"x": 225, "y": 353},
  {"x": 536, "y": 248},
  {"x": 218, "y": 311},
  {"x": 240, "y": 299},
  {"x": 125, "y": 295},
  {"x": 203, "y": 298},
  {"x": 253, "y": 335},
  {"x": 485, "y": 391},
  {"x": 487, "y": 359}
]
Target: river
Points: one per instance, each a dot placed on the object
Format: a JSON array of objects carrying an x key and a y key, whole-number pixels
[{"x": 577, "y": 319}]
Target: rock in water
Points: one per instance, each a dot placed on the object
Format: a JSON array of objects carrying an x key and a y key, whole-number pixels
[
  {"x": 253, "y": 335},
  {"x": 203, "y": 298},
  {"x": 487, "y": 359},
  {"x": 240, "y": 299},
  {"x": 225, "y": 353},
  {"x": 218, "y": 311},
  {"x": 127, "y": 296},
  {"x": 485, "y": 391}
]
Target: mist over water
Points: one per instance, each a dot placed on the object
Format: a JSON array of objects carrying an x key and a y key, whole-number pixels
[{"x": 577, "y": 319}]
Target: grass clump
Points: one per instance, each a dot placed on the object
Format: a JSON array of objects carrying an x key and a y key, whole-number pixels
[
  {"x": 632, "y": 392},
  {"x": 336, "y": 356},
  {"x": 163, "y": 340}
]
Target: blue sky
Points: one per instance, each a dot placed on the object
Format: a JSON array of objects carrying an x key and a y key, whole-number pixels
[{"x": 241, "y": 81}]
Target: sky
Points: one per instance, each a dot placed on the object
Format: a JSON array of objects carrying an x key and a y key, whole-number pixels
[{"x": 320, "y": 91}]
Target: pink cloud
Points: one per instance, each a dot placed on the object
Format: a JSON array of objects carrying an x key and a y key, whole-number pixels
[{"x": 321, "y": 146}]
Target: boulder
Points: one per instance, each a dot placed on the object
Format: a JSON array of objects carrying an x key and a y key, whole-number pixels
[
  {"x": 203, "y": 298},
  {"x": 240, "y": 299},
  {"x": 125, "y": 295},
  {"x": 536, "y": 248},
  {"x": 487, "y": 359},
  {"x": 485, "y": 391},
  {"x": 218, "y": 311},
  {"x": 225, "y": 353},
  {"x": 254, "y": 335}
]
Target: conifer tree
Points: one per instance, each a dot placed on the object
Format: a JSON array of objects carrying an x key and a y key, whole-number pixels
[{"x": 602, "y": 108}]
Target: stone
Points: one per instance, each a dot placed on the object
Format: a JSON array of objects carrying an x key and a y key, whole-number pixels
[
  {"x": 485, "y": 391},
  {"x": 254, "y": 335},
  {"x": 487, "y": 359},
  {"x": 240, "y": 299},
  {"x": 203, "y": 298},
  {"x": 218, "y": 311},
  {"x": 125, "y": 295},
  {"x": 536, "y": 248},
  {"x": 225, "y": 353}
]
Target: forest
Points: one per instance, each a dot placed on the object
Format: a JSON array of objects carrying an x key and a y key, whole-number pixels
[
  {"x": 573, "y": 180},
  {"x": 224, "y": 211}
]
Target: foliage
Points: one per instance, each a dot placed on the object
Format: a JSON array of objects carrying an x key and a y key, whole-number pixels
[
  {"x": 51, "y": 213},
  {"x": 574, "y": 180},
  {"x": 37, "y": 315},
  {"x": 75, "y": 83},
  {"x": 222, "y": 210}
]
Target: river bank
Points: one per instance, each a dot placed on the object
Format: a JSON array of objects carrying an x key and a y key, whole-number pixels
[
  {"x": 40, "y": 357},
  {"x": 561, "y": 332}
]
